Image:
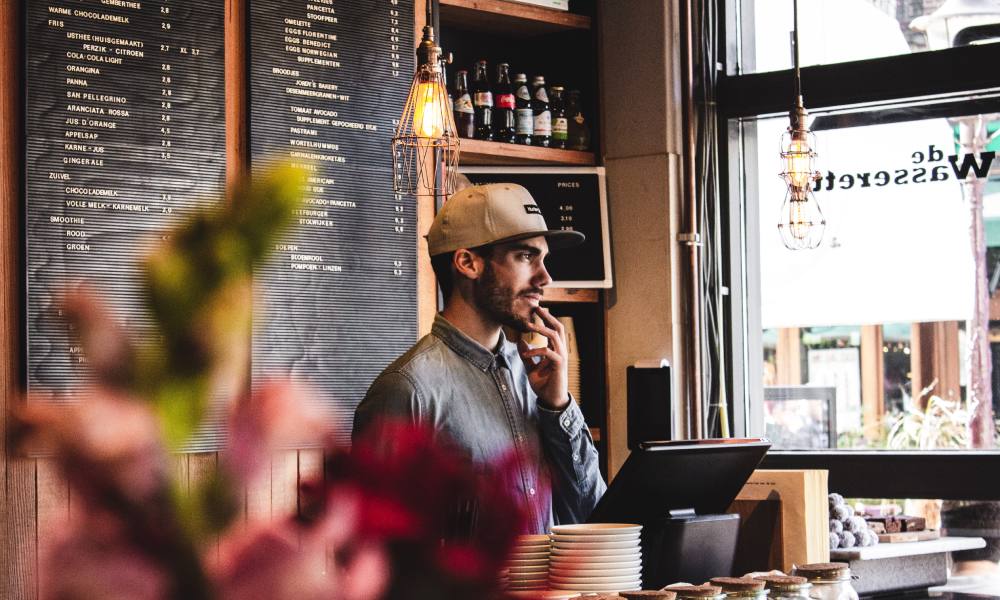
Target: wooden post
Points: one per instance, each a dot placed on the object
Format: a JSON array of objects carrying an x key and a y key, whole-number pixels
[
  {"x": 872, "y": 380},
  {"x": 788, "y": 357},
  {"x": 935, "y": 356}
]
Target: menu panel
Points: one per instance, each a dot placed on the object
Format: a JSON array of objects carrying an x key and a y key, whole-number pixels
[
  {"x": 125, "y": 138},
  {"x": 570, "y": 198},
  {"x": 337, "y": 302}
]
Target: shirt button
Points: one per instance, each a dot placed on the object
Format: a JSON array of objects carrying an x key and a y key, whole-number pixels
[
  {"x": 503, "y": 386},
  {"x": 576, "y": 457},
  {"x": 531, "y": 491},
  {"x": 565, "y": 422}
]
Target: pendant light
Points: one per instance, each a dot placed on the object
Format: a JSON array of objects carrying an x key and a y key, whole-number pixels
[
  {"x": 425, "y": 147},
  {"x": 801, "y": 222}
]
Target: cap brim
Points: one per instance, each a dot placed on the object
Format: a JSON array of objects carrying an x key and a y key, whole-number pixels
[{"x": 556, "y": 238}]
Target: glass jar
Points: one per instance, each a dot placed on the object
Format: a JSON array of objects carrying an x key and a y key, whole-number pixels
[
  {"x": 830, "y": 581},
  {"x": 741, "y": 588},
  {"x": 787, "y": 587},
  {"x": 697, "y": 592}
]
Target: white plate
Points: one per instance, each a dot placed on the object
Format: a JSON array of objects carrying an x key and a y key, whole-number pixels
[
  {"x": 524, "y": 547},
  {"x": 599, "y": 587},
  {"x": 528, "y": 571},
  {"x": 607, "y": 537},
  {"x": 528, "y": 577},
  {"x": 528, "y": 555},
  {"x": 596, "y": 545},
  {"x": 516, "y": 564},
  {"x": 595, "y": 572},
  {"x": 562, "y": 562},
  {"x": 544, "y": 594},
  {"x": 534, "y": 586},
  {"x": 532, "y": 539},
  {"x": 613, "y": 554},
  {"x": 596, "y": 528},
  {"x": 588, "y": 579}
]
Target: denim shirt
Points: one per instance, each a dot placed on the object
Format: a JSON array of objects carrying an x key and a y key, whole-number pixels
[{"x": 483, "y": 403}]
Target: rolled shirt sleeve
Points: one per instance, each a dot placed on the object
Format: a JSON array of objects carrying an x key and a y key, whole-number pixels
[{"x": 576, "y": 476}]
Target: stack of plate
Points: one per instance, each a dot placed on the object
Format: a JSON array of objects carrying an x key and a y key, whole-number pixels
[
  {"x": 598, "y": 557},
  {"x": 528, "y": 567}
]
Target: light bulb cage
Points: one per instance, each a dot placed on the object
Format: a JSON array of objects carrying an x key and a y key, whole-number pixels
[
  {"x": 798, "y": 157},
  {"x": 801, "y": 222},
  {"x": 425, "y": 147}
]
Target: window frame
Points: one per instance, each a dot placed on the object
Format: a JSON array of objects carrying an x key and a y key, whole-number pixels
[{"x": 952, "y": 71}]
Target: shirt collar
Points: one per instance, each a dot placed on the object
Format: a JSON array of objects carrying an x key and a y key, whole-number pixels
[{"x": 469, "y": 348}]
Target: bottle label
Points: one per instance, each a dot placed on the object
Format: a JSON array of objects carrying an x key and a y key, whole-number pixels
[
  {"x": 543, "y": 123},
  {"x": 463, "y": 104},
  {"x": 505, "y": 100},
  {"x": 484, "y": 99},
  {"x": 525, "y": 123},
  {"x": 542, "y": 95},
  {"x": 523, "y": 93},
  {"x": 560, "y": 128}
]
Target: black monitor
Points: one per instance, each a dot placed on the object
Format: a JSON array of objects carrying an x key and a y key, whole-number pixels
[{"x": 660, "y": 477}]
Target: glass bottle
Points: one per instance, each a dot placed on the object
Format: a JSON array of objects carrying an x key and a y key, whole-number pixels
[
  {"x": 560, "y": 126},
  {"x": 482, "y": 103},
  {"x": 741, "y": 588},
  {"x": 503, "y": 109},
  {"x": 465, "y": 119},
  {"x": 787, "y": 587},
  {"x": 542, "y": 127},
  {"x": 830, "y": 581},
  {"x": 697, "y": 592},
  {"x": 523, "y": 116},
  {"x": 578, "y": 134}
]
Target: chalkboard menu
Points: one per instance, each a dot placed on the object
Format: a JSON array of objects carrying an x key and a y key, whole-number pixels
[
  {"x": 571, "y": 198},
  {"x": 337, "y": 302},
  {"x": 125, "y": 137}
]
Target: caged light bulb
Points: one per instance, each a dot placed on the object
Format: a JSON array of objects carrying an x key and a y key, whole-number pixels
[
  {"x": 801, "y": 221},
  {"x": 428, "y": 111},
  {"x": 797, "y": 157}
]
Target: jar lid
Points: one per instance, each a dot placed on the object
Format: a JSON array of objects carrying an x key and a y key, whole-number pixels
[
  {"x": 834, "y": 571},
  {"x": 783, "y": 582},
  {"x": 737, "y": 584},
  {"x": 696, "y": 591},
  {"x": 649, "y": 595}
]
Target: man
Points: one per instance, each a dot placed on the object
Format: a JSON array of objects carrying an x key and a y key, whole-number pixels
[{"x": 486, "y": 394}]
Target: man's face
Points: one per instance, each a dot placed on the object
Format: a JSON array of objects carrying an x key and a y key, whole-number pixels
[{"x": 511, "y": 285}]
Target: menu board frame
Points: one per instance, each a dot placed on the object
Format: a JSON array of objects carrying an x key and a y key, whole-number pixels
[
  {"x": 329, "y": 89},
  {"x": 124, "y": 138},
  {"x": 538, "y": 181}
]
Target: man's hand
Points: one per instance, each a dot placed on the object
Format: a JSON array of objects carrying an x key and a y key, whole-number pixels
[{"x": 548, "y": 377}]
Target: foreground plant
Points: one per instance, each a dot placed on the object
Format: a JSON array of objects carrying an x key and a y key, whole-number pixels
[{"x": 381, "y": 523}]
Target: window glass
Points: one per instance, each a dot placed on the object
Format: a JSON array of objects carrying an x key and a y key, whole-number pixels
[
  {"x": 867, "y": 341},
  {"x": 875, "y": 28}
]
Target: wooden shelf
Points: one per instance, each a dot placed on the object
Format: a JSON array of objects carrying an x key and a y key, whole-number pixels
[
  {"x": 478, "y": 152},
  {"x": 570, "y": 295},
  {"x": 508, "y": 18}
]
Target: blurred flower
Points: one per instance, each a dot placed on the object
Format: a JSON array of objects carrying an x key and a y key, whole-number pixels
[{"x": 403, "y": 515}]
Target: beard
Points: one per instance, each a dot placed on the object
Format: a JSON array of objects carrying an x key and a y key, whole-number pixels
[{"x": 496, "y": 300}]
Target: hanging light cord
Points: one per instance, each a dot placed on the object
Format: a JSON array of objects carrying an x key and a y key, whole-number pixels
[{"x": 795, "y": 51}]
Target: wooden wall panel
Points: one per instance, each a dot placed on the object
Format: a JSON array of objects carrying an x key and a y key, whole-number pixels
[{"x": 18, "y": 529}]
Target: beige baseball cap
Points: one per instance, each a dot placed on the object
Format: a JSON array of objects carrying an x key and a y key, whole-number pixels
[{"x": 489, "y": 214}]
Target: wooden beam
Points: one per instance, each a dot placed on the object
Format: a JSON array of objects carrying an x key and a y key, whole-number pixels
[
  {"x": 872, "y": 380},
  {"x": 18, "y": 500},
  {"x": 788, "y": 357},
  {"x": 934, "y": 355}
]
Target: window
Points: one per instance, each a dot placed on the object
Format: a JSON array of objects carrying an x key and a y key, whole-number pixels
[{"x": 833, "y": 347}]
